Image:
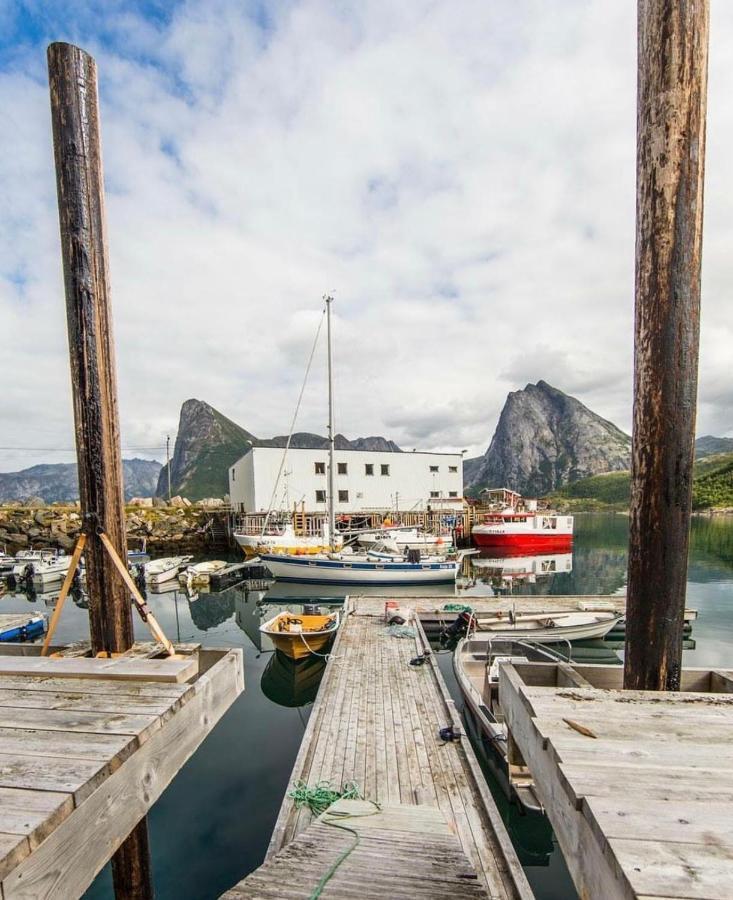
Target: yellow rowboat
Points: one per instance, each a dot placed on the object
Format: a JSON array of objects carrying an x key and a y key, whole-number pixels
[{"x": 297, "y": 635}]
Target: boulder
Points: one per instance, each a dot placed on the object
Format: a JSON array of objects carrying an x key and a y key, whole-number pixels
[
  {"x": 159, "y": 503},
  {"x": 19, "y": 539},
  {"x": 177, "y": 502},
  {"x": 35, "y": 502},
  {"x": 141, "y": 501},
  {"x": 43, "y": 517}
]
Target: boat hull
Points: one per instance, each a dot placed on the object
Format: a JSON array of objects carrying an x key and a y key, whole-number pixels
[
  {"x": 518, "y": 544},
  {"x": 320, "y": 571},
  {"x": 298, "y": 647},
  {"x": 553, "y": 635}
]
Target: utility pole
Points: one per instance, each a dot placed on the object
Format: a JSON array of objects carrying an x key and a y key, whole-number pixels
[
  {"x": 168, "y": 464},
  {"x": 77, "y": 150},
  {"x": 670, "y": 166}
]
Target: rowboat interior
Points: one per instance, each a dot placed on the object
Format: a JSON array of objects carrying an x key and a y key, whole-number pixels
[{"x": 298, "y": 635}]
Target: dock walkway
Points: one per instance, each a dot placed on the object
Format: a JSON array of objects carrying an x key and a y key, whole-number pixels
[
  {"x": 423, "y": 856},
  {"x": 87, "y": 746},
  {"x": 638, "y": 785},
  {"x": 376, "y": 723}
]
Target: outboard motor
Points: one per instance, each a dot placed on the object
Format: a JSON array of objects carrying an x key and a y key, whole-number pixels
[
  {"x": 26, "y": 577},
  {"x": 460, "y": 626},
  {"x": 413, "y": 555}
]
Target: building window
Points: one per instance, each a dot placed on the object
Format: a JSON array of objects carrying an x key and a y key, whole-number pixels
[
  {"x": 434, "y": 494},
  {"x": 452, "y": 493},
  {"x": 343, "y": 496},
  {"x": 368, "y": 468},
  {"x": 320, "y": 468},
  {"x": 433, "y": 468},
  {"x": 385, "y": 469},
  {"x": 453, "y": 470},
  {"x": 342, "y": 468},
  {"x": 320, "y": 496},
  {"x": 234, "y": 474}
]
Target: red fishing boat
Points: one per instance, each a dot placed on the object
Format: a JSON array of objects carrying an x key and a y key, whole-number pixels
[{"x": 521, "y": 528}]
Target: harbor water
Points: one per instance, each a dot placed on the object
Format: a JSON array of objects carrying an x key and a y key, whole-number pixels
[{"x": 212, "y": 825}]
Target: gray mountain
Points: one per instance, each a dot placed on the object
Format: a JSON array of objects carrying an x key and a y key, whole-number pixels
[
  {"x": 59, "y": 482},
  {"x": 707, "y": 445},
  {"x": 545, "y": 439},
  {"x": 208, "y": 443}
]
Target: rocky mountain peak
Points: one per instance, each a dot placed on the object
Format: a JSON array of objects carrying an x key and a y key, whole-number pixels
[{"x": 545, "y": 439}]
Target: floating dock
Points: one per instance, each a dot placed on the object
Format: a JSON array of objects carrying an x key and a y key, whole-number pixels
[
  {"x": 87, "y": 746},
  {"x": 638, "y": 785},
  {"x": 376, "y": 723}
]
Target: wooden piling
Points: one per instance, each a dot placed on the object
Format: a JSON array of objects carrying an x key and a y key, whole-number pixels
[
  {"x": 672, "y": 88},
  {"x": 80, "y": 185}
]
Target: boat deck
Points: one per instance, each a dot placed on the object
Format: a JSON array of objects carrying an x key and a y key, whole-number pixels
[
  {"x": 376, "y": 722},
  {"x": 87, "y": 746},
  {"x": 638, "y": 785}
]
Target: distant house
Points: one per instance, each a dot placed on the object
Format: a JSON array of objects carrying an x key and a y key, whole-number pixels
[{"x": 364, "y": 480}]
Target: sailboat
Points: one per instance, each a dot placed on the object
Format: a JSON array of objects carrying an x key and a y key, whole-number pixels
[{"x": 350, "y": 568}]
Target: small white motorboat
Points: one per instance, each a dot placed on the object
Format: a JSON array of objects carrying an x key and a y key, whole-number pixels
[
  {"x": 161, "y": 570},
  {"x": 41, "y": 564},
  {"x": 199, "y": 573},
  {"x": 545, "y": 627},
  {"x": 476, "y": 666}
]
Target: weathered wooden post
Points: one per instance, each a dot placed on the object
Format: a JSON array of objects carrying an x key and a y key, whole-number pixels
[
  {"x": 672, "y": 89},
  {"x": 79, "y": 180}
]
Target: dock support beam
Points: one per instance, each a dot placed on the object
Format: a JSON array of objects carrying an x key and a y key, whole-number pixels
[
  {"x": 80, "y": 185},
  {"x": 672, "y": 89}
]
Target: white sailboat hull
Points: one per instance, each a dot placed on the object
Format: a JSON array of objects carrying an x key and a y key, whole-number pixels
[{"x": 327, "y": 571}]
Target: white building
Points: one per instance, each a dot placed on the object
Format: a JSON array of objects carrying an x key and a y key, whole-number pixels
[{"x": 365, "y": 480}]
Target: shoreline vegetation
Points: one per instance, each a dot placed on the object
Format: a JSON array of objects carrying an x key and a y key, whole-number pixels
[{"x": 712, "y": 490}]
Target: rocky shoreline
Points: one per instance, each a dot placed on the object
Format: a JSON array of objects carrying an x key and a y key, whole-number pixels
[{"x": 182, "y": 526}]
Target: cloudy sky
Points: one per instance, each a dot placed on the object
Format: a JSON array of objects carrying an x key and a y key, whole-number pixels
[{"x": 460, "y": 174}]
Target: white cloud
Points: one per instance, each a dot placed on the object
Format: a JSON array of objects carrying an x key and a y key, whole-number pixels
[{"x": 461, "y": 174}]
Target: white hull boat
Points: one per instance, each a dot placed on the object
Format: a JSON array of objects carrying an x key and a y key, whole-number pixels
[
  {"x": 546, "y": 628},
  {"x": 201, "y": 572},
  {"x": 285, "y": 541},
  {"x": 41, "y": 565},
  {"x": 353, "y": 569},
  {"x": 476, "y": 667},
  {"x": 166, "y": 569}
]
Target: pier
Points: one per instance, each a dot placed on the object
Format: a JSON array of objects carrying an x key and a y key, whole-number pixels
[
  {"x": 637, "y": 784},
  {"x": 376, "y": 723},
  {"x": 87, "y": 746}
]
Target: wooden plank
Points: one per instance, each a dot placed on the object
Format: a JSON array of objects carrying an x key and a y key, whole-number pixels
[
  {"x": 99, "y": 703},
  {"x": 78, "y": 720},
  {"x": 682, "y": 822},
  {"x": 74, "y": 776},
  {"x": 166, "y": 670},
  {"x": 66, "y": 744},
  {"x": 13, "y": 848},
  {"x": 34, "y": 814},
  {"x": 694, "y": 871},
  {"x": 108, "y": 687},
  {"x": 68, "y": 859}
]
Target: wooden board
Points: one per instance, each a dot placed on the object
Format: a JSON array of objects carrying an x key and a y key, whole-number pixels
[
  {"x": 643, "y": 808},
  {"x": 82, "y": 760},
  {"x": 120, "y": 668}
]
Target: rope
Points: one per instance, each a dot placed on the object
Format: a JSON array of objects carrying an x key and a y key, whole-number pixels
[
  {"x": 292, "y": 424},
  {"x": 344, "y": 854},
  {"x": 315, "y": 652},
  {"x": 319, "y": 797}
]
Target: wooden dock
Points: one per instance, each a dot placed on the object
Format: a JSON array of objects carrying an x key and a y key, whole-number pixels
[
  {"x": 376, "y": 723},
  {"x": 638, "y": 785},
  {"x": 87, "y": 746}
]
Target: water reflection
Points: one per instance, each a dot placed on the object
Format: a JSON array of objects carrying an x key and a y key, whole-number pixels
[
  {"x": 292, "y": 683},
  {"x": 506, "y": 573}
]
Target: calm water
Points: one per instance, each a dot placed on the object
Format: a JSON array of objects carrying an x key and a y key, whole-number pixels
[{"x": 212, "y": 826}]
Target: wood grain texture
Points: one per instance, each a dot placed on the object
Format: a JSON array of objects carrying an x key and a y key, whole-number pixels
[
  {"x": 672, "y": 89},
  {"x": 72, "y": 75}
]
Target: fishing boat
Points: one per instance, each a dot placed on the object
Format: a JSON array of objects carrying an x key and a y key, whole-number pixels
[
  {"x": 200, "y": 573},
  {"x": 299, "y": 635},
  {"x": 574, "y": 625},
  {"x": 521, "y": 528},
  {"x": 476, "y": 663},
  {"x": 165, "y": 569},
  {"x": 284, "y": 540}
]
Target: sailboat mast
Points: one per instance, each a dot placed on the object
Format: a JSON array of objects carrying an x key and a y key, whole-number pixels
[{"x": 331, "y": 465}]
